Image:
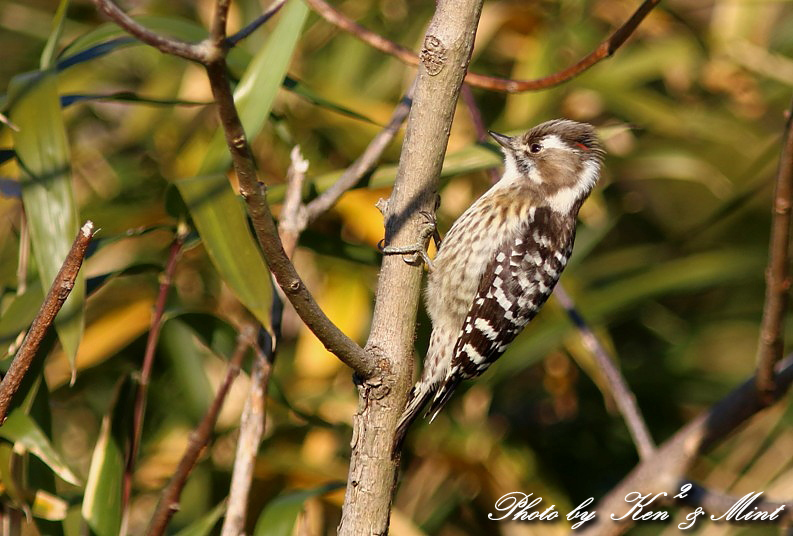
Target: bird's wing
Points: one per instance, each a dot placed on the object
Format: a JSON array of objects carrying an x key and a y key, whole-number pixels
[{"x": 516, "y": 283}]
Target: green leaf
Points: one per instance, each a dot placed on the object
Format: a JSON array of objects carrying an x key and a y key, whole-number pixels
[
  {"x": 20, "y": 313},
  {"x": 259, "y": 84},
  {"x": 222, "y": 224},
  {"x": 23, "y": 431},
  {"x": 279, "y": 516},
  {"x": 103, "y": 492},
  {"x": 204, "y": 525},
  {"x": 43, "y": 154},
  {"x": 48, "y": 55}
]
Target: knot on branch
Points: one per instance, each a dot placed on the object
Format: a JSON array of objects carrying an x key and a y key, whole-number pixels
[
  {"x": 433, "y": 55},
  {"x": 294, "y": 286}
]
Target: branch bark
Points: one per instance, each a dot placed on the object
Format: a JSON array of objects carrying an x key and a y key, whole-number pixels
[
  {"x": 59, "y": 291},
  {"x": 777, "y": 276},
  {"x": 445, "y": 56}
]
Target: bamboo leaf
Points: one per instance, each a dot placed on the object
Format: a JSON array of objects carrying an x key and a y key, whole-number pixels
[
  {"x": 222, "y": 224},
  {"x": 204, "y": 525},
  {"x": 259, "y": 84},
  {"x": 43, "y": 154},
  {"x": 102, "y": 500},
  {"x": 48, "y": 55},
  {"x": 278, "y": 518},
  {"x": 23, "y": 431}
]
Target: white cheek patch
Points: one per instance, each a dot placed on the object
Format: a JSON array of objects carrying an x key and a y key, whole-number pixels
[
  {"x": 562, "y": 201},
  {"x": 512, "y": 174}
]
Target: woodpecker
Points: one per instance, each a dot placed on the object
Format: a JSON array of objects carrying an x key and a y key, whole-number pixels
[{"x": 501, "y": 259}]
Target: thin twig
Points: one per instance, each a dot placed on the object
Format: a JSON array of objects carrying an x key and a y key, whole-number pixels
[
  {"x": 603, "y": 51},
  {"x": 168, "y": 45},
  {"x": 139, "y": 409},
  {"x": 219, "y": 21},
  {"x": 251, "y": 431},
  {"x": 664, "y": 471},
  {"x": 59, "y": 290},
  {"x": 623, "y": 396},
  {"x": 366, "y": 162},
  {"x": 253, "y": 26},
  {"x": 293, "y": 220},
  {"x": 771, "y": 344},
  {"x": 255, "y": 196},
  {"x": 199, "y": 439}
]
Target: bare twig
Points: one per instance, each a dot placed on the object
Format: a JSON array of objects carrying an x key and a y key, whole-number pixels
[
  {"x": 169, "y": 500},
  {"x": 139, "y": 409},
  {"x": 623, "y": 396},
  {"x": 777, "y": 277},
  {"x": 603, "y": 51},
  {"x": 219, "y": 21},
  {"x": 251, "y": 432},
  {"x": 667, "y": 467},
  {"x": 59, "y": 291},
  {"x": 293, "y": 220},
  {"x": 253, "y": 26},
  {"x": 366, "y": 162},
  {"x": 254, "y": 194},
  {"x": 168, "y": 45}
]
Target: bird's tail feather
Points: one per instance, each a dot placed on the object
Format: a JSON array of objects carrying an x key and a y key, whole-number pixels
[
  {"x": 442, "y": 396},
  {"x": 418, "y": 398}
]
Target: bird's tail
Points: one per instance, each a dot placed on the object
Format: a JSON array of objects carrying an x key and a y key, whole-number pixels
[{"x": 418, "y": 398}]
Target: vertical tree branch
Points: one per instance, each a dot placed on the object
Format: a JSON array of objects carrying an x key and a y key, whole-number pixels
[
  {"x": 444, "y": 60},
  {"x": 777, "y": 277},
  {"x": 59, "y": 291}
]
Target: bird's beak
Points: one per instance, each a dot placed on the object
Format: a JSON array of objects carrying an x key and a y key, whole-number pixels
[{"x": 504, "y": 141}]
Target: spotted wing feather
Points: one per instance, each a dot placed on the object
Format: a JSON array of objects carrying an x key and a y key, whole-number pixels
[{"x": 515, "y": 285}]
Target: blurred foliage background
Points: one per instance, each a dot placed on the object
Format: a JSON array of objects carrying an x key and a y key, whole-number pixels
[{"x": 668, "y": 266}]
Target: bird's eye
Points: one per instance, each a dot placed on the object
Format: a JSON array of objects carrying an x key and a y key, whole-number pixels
[{"x": 535, "y": 148}]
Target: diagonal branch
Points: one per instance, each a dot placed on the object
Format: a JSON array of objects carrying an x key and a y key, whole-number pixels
[
  {"x": 366, "y": 162},
  {"x": 623, "y": 396},
  {"x": 777, "y": 274},
  {"x": 253, "y": 26},
  {"x": 666, "y": 469},
  {"x": 59, "y": 291},
  {"x": 212, "y": 54},
  {"x": 603, "y": 51},
  {"x": 255, "y": 195},
  {"x": 169, "y": 500},
  {"x": 153, "y": 338}
]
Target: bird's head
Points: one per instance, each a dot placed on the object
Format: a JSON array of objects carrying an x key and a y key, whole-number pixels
[{"x": 560, "y": 159}]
